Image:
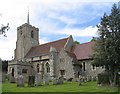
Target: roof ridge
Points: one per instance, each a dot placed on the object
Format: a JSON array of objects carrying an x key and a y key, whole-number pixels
[
  {"x": 51, "y": 42},
  {"x": 39, "y": 49},
  {"x": 86, "y": 43}
]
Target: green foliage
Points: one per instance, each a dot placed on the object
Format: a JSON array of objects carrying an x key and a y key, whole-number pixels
[
  {"x": 107, "y": 49},
  {"x": 93, "y": 39},
  {"x": 4, "y": 66},
  {"x": 0, "y": 66},
  {"x": 76, "y": 42},
  {"x": 103, "y": 78}
]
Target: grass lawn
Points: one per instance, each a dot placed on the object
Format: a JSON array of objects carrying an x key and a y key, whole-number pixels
[{"x": 66, "y": 87}]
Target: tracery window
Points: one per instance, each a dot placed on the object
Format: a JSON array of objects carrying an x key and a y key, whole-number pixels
[
  {"x": 32, "y": 34},
  {"x": 47, "y": 67}
]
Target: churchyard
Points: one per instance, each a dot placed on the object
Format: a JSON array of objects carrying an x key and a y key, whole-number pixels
[{"x": 37, "y": 84}]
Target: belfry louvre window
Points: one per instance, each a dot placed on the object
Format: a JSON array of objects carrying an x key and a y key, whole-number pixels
[
  {"x": 32, "y": 34},
  {"x": 20, "y": 32}
]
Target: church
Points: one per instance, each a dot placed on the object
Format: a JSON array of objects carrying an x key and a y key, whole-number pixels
[{"x": 57, "y": 58}]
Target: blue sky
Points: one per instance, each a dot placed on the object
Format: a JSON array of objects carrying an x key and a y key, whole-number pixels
[{"x": 55, "y": 19}]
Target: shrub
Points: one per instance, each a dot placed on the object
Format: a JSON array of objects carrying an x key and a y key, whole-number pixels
[
  {"x": 70, "y": 79},
  {"x": 103, "y": 78}
]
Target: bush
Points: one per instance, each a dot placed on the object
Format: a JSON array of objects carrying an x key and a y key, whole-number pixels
[
  {"x": 70, "y": 79},
  {"x": 118, "y": 80},
  {"x": 103, "y": 78}
]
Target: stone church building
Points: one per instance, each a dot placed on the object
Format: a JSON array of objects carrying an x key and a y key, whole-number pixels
[{"x": 57, "y": 58}]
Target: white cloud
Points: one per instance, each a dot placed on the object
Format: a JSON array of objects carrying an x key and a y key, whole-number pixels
[
  {"x": 68, "y": 20},
  {"x": 7, "y": 48},
  {"x": 86, "y": 32},
  {"x": 43, "y": 40},
  {"x": 41, "y": 14}
]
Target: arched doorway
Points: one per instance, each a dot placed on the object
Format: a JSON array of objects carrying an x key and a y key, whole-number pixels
[{"x": 12, "y": 72}]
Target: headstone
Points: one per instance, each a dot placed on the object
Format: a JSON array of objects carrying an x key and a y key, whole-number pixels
[
  {"x": 20, "y": 81},
  {"x": 46, "y": 79},
  {"x": 80, "y": 80},
  {"x": 25, "y": 78},
  {"x": 38, "y": 79},
  {"x": 8, "y": 76},
  {"x": 31, "y": 81},
  {"x": 11, "y": 78},
  {"x": 61, "y": 79},
  {"x": 55, "y": 81},
  {"x": 89, "y": 78},
  {"x": 84, "y": 79},
  {"x": 3, "y": 78},
  {"x": 94, "y": 78},
  {"x": 75, "y": 79},
  {"x": 0, "y": 77}
]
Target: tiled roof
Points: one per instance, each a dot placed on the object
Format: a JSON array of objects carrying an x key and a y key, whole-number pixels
[
  {"x": 45, "y": 48},
  {"x": 83, "y": 51}
]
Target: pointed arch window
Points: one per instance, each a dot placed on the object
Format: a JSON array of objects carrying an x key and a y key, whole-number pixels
[
  {"x": 37, "y": 67},
  {"x": 47, "y": 67},
  {"x": 32, "y": 34},
  {"x": 84, "y": 66}
]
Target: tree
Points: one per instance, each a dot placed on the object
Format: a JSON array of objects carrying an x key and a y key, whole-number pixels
[
  {"x": 107, "y": 49},
  {"x": 76, "y": 42},
  {"x": 3, "y": 29},
  {"x": 0, "y": 65},
  {"x": 93, "y": 39},
  {"x": 4, "y": 66}
]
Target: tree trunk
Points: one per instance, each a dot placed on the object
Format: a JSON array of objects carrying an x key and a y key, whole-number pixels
[{"x": 113, "y": 76}]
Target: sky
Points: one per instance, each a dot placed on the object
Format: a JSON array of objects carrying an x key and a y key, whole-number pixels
[{"x": 56, "y": 19}]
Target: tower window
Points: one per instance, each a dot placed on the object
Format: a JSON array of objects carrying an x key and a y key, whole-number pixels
[
  {"x": 20, "y": 32},
  {"x": 32, "y": 35}
]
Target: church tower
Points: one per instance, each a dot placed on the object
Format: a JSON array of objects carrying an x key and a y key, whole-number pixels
[{"x": 27, "y": 37}]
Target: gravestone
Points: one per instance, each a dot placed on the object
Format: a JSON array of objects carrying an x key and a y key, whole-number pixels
[
  {"x": 31, "y": 81},
  {"x": 11, "y": 78},
  {"x": 38, "y": 79},
  {"x": 20, "y": 81},
  {"x": 83, "y": 79},
  {"x": 61, "y": 79},
  {"x": 55, "y": 81},
  {"x": 3, "y": 78},
  {"x": 89, "y": 78},
  {"x": 46, "y": 79},
  {"x": 80, "y": 79},
  {"x": 0, "y": 77}
]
